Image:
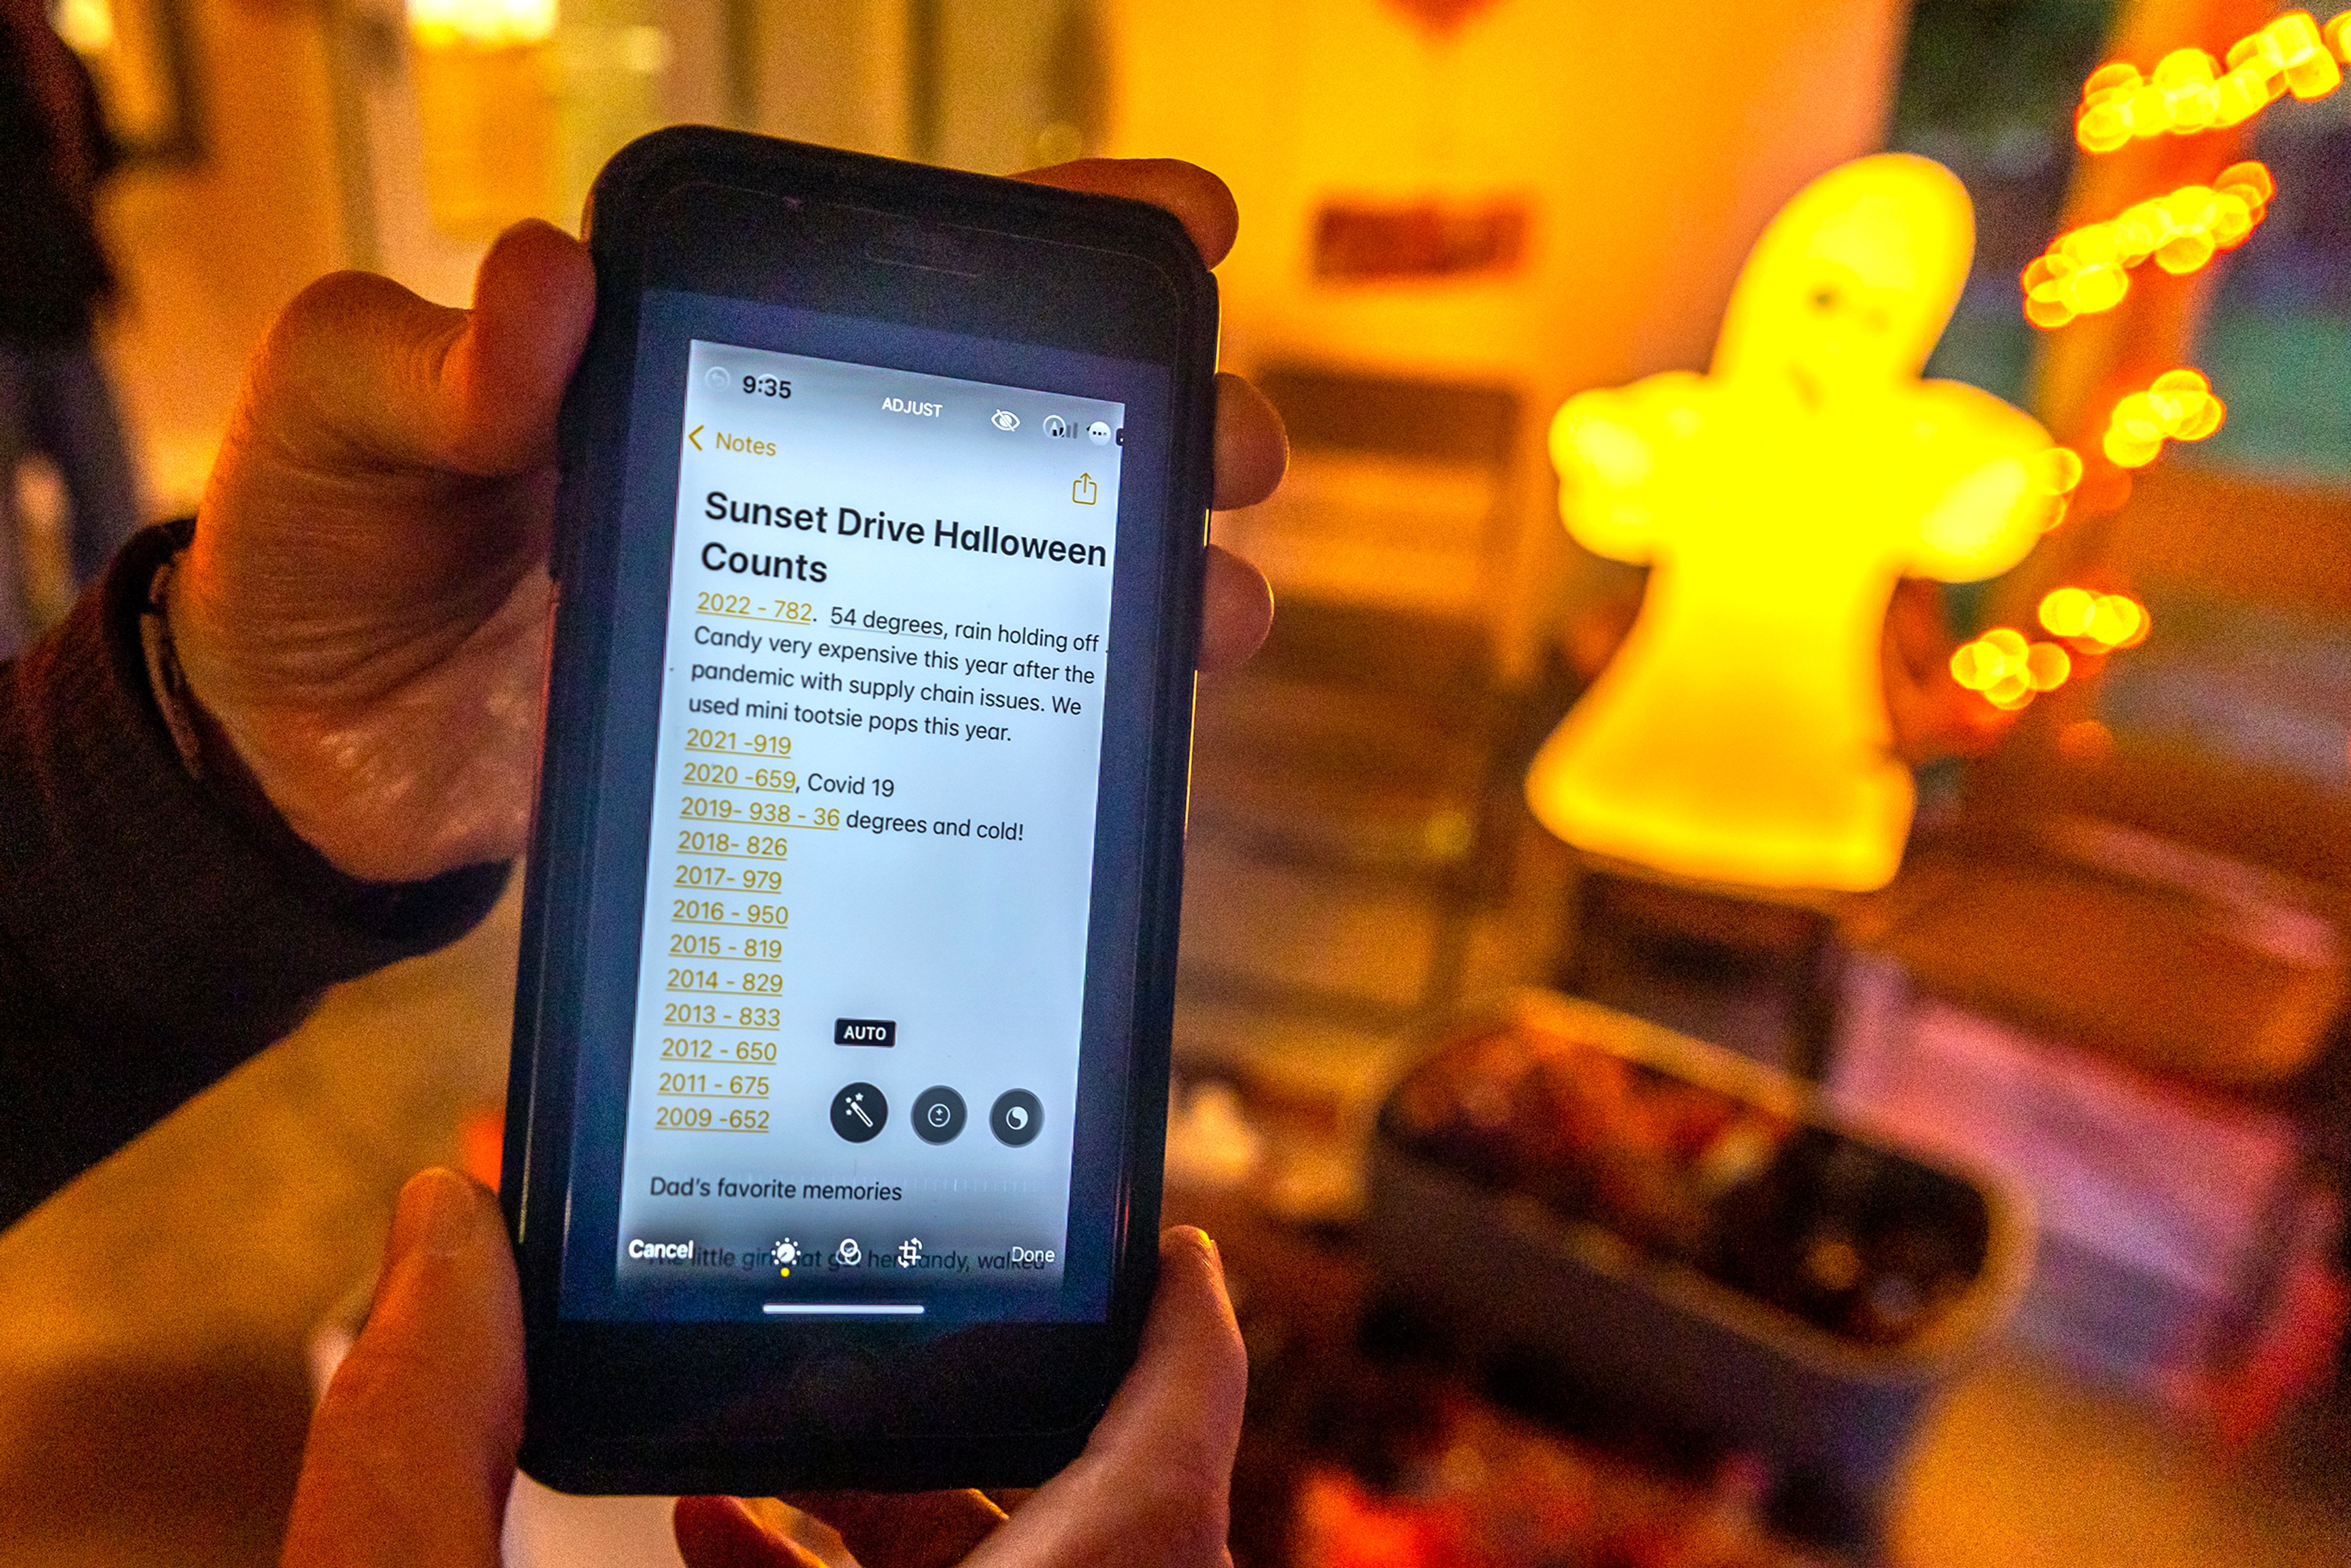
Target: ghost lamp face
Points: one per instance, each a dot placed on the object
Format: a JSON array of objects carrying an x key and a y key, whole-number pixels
[{"x": 1852, "y": 285}]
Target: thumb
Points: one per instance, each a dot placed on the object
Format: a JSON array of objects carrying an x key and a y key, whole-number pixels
[
  {"x": 358, "y": 370},
  {"x": 1153, "y": 1486},
  {"x": 413, "y": 1451}
]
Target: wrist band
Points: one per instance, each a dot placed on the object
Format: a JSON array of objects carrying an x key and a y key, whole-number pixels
[{"x": 166, "y": 680}]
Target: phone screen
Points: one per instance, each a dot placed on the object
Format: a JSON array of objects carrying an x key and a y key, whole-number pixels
[{"x": 852, "y": 1082}]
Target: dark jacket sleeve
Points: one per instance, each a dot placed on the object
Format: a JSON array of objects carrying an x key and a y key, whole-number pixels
[{"x": 153, "y": 935}]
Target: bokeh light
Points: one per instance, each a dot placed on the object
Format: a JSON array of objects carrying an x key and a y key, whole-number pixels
[
  {"x": 2189, "y": 91},
  {"x": 2116, "y": 622},
  {"x": 2008, "y": 671},
  {"x": 2066, "y": 613},
  {"x": 2178, "y": 406},
  {"x": 2093, "y": 622},
  {"x": 2088, "y": 270}
]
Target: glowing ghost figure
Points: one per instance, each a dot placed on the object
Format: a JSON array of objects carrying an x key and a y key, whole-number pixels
[{"x": 1740, "y": 733}]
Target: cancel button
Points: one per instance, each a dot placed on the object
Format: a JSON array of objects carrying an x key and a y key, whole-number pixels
[{"x": 864, "y": 1031}]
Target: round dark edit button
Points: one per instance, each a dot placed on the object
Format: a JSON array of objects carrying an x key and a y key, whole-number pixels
[
  {"x": 857, "y": 1112},
  {"x": 1017, "y": 1117},
  {"x": 938, "y": 1114}
]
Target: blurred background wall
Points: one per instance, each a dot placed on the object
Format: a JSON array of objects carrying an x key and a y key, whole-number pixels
[
  {"x": 214, "y": 231},
  {"x": 1455, "y": 213},
  {"x": 1641, "y": 157},
  {"x": 1647, "y": 150}
]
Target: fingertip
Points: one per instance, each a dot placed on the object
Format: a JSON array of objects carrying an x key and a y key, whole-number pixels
[
  {"x": 443, "y": 1212},
  {"x": 1237, "y": 613},
  {"x": 418, "y": 1430},
  {"x": 1189, "y": 1256},
  {"x": 1252, "y": 444},
  {"x": 1200, "y": 200},
  {"x": 1165, "y": 1446},
  {"x": 534, "y": 257},
  {"x": 1192, "y": 1328},
  {"x": 719, "y": 1532},
  {"x": 534, "y": 301},
  {"x": 536, "y": 231},
  {"x": 1205, "y": 204},
  {"x": 448, "y": 1261}
]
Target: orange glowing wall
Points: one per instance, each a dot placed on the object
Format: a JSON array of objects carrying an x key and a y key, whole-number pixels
[
  {"x": 208, "y": 251},
  {"x": 1649, "y": 147},
  {"x": 1655, "y": 145}
]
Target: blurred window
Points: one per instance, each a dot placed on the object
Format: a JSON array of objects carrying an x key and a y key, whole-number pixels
[
  {"x": 521, "y": 102},
  {"x": 137, "y": 52},
  {"x": 1988, "y": 89},
  {"x": 2278, "y": 333}
]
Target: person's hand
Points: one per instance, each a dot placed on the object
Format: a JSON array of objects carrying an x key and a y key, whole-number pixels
[
  {"x": 1151, "y": 1490},
  {"x": 364, "y": 610},
  {"x": 412, "y": 1452}
]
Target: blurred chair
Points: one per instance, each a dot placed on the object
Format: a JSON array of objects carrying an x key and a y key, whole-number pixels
[
  {"x": 2121, "y": 971},
  {"x": 1351, "y": 791}
]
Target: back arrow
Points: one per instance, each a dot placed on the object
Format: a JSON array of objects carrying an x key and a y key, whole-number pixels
[{"x": 691, "y": 433}]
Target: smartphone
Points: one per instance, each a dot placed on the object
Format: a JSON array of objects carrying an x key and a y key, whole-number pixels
[{"x": 839, "y": 1090}]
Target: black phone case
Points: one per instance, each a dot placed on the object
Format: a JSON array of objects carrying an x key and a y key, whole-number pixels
[{"x": 764, "y": 1413}]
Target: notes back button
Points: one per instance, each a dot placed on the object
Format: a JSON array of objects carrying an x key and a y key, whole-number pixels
[{"x": 864, "y": 1031}]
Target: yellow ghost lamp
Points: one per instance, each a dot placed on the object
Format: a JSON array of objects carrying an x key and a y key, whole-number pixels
[
  {"x": 1739, "y": 736},
  {"x": 481, "y": 23}
]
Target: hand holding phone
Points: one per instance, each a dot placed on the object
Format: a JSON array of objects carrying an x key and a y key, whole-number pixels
[
  {"x": 411, "y": 1455},
  {"x": 364, "y": 608}
]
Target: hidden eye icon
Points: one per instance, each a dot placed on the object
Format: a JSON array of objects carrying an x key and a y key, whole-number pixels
[{"x": 1005, "y": 419}]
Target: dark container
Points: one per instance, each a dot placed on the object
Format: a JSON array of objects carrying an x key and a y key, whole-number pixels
[{"x": 1510, "y": 1275}]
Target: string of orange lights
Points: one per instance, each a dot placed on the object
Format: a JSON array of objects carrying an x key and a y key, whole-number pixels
[
  {"x": 2179, "y": 406},
  {"x": 2086, "y": 270},
  {"x": 2010, "y": 670},
  {"x": 2187, "y": 91}
]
